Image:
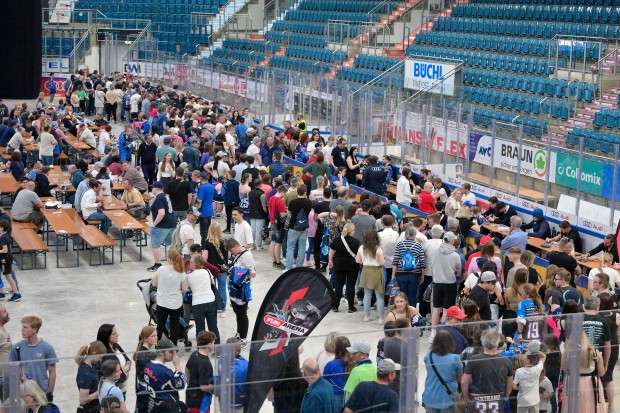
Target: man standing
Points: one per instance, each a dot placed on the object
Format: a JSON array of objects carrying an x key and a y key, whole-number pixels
[
  {"x": 191, "y": 155},
  {"x": 340, "y": 153},
  {"x": 243, "y": 230},
  {"x": 558, "y": 295},
  {"x": 163, "y": 384},
  {"x": 364, "y": 370},
  {"x": 445, "y": 267},
  {"x": 454, "y": 321},
  {"x": 368, "y": 396},
  {"x": 597, "y": 327},
  {"x": 480, "y": 294},
  {"x": 517, "y": 237},
  {"x": 267, "y": 150},
  {"x": 320, "y": 397},
  {"x": 37, "y": 356},
  {"x": 298, "y": 227},
  {"x": 277, "y": 213},
  {"x": 186, "y": 231},
  {"x": 363, "y": 222},
  {"x": 180, "y": 193},
  {"x": 276, "y": 168},
  {"x": 147, "y": 160},
  {"x": 161, "y": 152},
  {"x": 205, "y": 196},
  {"x": 91, "y": 203},
  {"x": 374, "y": 176},
  {"x": 163, "y": 225}
]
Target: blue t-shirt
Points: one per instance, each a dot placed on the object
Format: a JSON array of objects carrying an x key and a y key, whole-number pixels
[
  {"x": 36, "y": 360},
  {"x": 448, "y": 366},
  {"x": 334, "y": 373},
  {"x": 206, "y": 192},
  {"x": 319, "y": 398},
  {"x": 161, "y": 201},
  {"x": 344, "y": 181},
  {"x": 87, "y": 378},
  {"x": 109, "y": 389},
  {"x": 370, "y": 393}
]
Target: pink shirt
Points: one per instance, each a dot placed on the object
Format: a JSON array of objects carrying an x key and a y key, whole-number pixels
[{"x": 312, "y": 225}]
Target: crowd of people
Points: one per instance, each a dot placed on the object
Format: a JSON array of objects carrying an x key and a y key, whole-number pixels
[{"x": 496, "y": 325}]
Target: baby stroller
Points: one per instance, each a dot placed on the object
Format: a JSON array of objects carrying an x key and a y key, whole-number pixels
[{"x": 148, "y": 294}]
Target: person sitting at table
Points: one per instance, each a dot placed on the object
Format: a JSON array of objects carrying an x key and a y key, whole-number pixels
[
  {"x": 17, "y": 141},
  {"x": 84, "y": 163},
  {"x": 135, "y": 177},
  {"x": 566, "y": 230},
  {"x": 103, "y": 173},
  {"x": 87, "y": 136},
  {"x": 23, "y": 209},
  {"x": 75, "y": 175},
  {"x": 35, "y": 170},
  {"x": 492, "y": 207},
  {"x": 503, "y": 213},
  {"x": 516, "y": 238},
  {"x": 115, "y": 167},
  {"x": 563, "y": 258},
  {"x": 95, "y": 169},
  {"x": 43, "y": 187},
  {"x": 16, "y": 166},
  {"x": 539, "y": 225},
  {"x": 606, "y": 269},
  {"x": 608, "y": 245},
  {"x": 91, "y": 204},
  {"x": 133, "y": 200}
]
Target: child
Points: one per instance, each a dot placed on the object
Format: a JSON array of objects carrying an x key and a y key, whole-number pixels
[
  {"x": 527, "y": 379},
  {"x": 6, "y": 259},
  {"x": 546, "y": 392}
]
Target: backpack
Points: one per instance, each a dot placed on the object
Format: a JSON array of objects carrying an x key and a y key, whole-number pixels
[
  {"x": 325, "y": 246},
  {"x": 408, "y": 261},
  {"x": 176, "y": 243},
  {"x": 301, "y": 224}
]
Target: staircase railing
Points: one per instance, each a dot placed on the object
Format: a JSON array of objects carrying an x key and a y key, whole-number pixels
[
  {"x": 390, "y": 3},
  {"x": 577, "y": 59},
  {"x": 142, "y": 35},
  {"x": 379, "y": 77},
  {"x": 79, "y": 52}
]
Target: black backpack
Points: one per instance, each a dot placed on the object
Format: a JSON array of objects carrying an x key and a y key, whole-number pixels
[{"x": 301, "y": 224}]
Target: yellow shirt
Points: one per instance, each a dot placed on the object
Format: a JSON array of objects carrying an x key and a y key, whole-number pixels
[{"x": 132, "y": 197}]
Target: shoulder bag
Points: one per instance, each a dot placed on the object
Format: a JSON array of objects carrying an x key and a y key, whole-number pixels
[
  {"x": 347, "y": 246},
  {"x": 459, "y": 404}
]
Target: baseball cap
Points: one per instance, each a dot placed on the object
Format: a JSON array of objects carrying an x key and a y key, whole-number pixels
[
  {"x": 183, "y": 165},
  {"x": 167, "y": 140},
  {"x": 469, "y": 204},
  {"x": 456, "y": 312},
  {"x": 538, "y": 213},
  {"x": 533, "y": 348},
  {"x": 158, "y": 184},
  {"x": 449, "y": 237},
  {"x": 110, "y": 403},
  {"x": 194, "y": 211},
  {"x": 488, "y": 276},
  {"x": 485, "y": 239},
  {"x": 165, "y": 343},
  {"x": 204, "y": 174},
  {"x": 221, "y": 154},
  {"x": 387, "y": 366},
  {"x": 360, "y": 346},
  {"x": 87, "y": 156},
  {"x": 54, "y": 124}
]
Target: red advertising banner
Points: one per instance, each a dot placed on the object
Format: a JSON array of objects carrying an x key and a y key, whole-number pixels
[{"x": 59, "y": 82}]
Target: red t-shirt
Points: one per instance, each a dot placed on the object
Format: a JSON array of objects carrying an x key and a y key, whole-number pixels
[
  {"x": 426, "y": 202},
  {"x": 275, "y": 206}
]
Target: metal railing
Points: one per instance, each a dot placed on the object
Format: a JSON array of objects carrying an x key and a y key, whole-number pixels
[
  {"x": 142, "y": 35},
  {"x": 80, "y": 51}
]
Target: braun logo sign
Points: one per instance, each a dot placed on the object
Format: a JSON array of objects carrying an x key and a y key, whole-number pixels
[{"x": 421, "y": 75}]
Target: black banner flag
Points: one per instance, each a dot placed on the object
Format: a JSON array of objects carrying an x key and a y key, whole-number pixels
[{"x": 293, "y": 307}]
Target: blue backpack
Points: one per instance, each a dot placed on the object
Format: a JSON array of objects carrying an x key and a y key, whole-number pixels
[
  {"x": 239, "y": 281},
  {"x": 325, "y": 246},
  {"x": 301, "y": 223},
  {"x": 408, "y": 261}
]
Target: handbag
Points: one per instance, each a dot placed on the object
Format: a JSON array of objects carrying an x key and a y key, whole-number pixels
[{"x": 459, "y": 404}]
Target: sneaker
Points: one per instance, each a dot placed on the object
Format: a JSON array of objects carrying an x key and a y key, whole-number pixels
[
  {"x": 352, "y": 310},
  {"x": 275, "y": 266},
  {"x": 335, "y": 308},
  {"x": 244, "y": 342},
  {"x": 381, "y": 320},
  {"x": 367, "y": 318},
  {"x": 431, "y": 338},
  {"x": 223, "y": 314},
  {"x": 307, "y": 263},
  {"x": 226, "y": 231},
  {"x": 15, "y": 297},
  {"x": 280, "y": 266},
  {"x": 154, "y": 268},
  {"x": 2, "y": 296}
]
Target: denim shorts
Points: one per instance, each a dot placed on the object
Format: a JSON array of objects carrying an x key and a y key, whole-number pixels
[
  {"x": 159, "y": 236},
  {"x": 277, "y": 236}
]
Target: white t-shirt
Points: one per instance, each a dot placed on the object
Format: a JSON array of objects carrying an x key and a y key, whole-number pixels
[
  {"x": 231, "y": 144},
  {"x": 186, "y": 232},
  {"x": 316, "y": 195},
  {"x": 104, "y": 139},
  {"x": 470, "y": 197},
  {"x": 367, "y": 260},
  {"x": 471, "y": 281},
  {"x": 327, "y": 154},
  {"x": 613, "y": 275},
  {"x": 388, "y": 239},
  {"x": 527, "y": 378},
  {"x": 403, "y": 191},
  {"x": 133, "y": 102},
  {"x": 46, "y": 144},
  {"x": 169, "y": 293},
  {"x": 253, "y": 150},
  {"x": 243, "y": 233},
  {"x": 200, "y": 283}
]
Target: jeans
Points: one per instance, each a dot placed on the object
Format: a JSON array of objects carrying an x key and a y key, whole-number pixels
[
  {"x": 310, "y": 248},
  {"x": 148, "y": 170},
  {"x": 206, "y": 311},
  {"x": 162, "y": 314},
  {"x": 408, "y": 283},
  {"x": 106, "y": 223},
  {"x": 229, "y": 209},
  {"x": 221, "y": 280},
  {"x": 257, "y": 225},
  {"x": 368, "y": 298},
  {"x": 47, "y": 160},
  {"x": 205, "y": 223},
  {"x": 52, "y": 95},
  {"x": 295, "y": 238},
  {"x": 243, "y": 323}
]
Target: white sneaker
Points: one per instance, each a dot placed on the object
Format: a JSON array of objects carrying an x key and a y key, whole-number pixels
[
  {"x": 431, "y": 338},
  {"x": 367, "y": 318},
  {"x": 223, "y": 314},
  {"x": 381, "y": 320}
]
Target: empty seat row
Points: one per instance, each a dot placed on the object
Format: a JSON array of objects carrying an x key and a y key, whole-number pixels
[
  {"x": 557, "y": 2},
  {"x": 485, "y": 42},
  {"x": 358, "y": 75},
  {"x": 577, "y": 14},
  {"x": 376, "y": 62},
  {"x": 297, "y": 65},
  {"x": 517, "y": 28},
  {"x": 593, "y": 140},
  {"x": 324, "y": 16},
  {"x": 324, "y": 55},
  {"x": 252, "y": 45},
  {"x": 230, "y": 65},
  {"x": 299, "y": 27},
  {"x": 239, "y": 55},
  {"x": 110, "y": 7},
  {"x": 607, "y": 117},
  {"x": 485, "y": 60},
  {"x": 348, "y": 6},
  {"x": 484, "y": 117},
  {"x": 296, "y": 39},
  {"x": 538, "y": 85}
]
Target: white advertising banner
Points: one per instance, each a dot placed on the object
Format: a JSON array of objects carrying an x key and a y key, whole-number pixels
[{"x": 421, "y": 75}]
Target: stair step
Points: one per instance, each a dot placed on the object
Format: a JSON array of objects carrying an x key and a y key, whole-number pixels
[
  {"x": 554, "y": 141},
  {"x": 564, "y": 127},
  {"x": 615, "y": 90},
  {"x": 607, "y": 103},
  {"x": 610, "y": 96},
  {"x": 256, "y": 36},
  {"x": 580, "y": 122},
  {"x": 586, "y": 116}
]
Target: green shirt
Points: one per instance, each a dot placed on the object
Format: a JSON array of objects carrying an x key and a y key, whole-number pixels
[
  {"x": 364, "y": 371},
  {"x": 160, "y": 153},
  {"x": 317, "y": 169}
]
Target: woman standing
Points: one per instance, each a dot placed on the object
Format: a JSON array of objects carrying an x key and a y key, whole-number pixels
[
  {"x": 99, "y": 100},
  {"x": 170, "y": 281},
  {"x": 334, "y": 222},
  {"x": 342, "y": 261},
  {"x": 108, "y": 335},
  {"x": 218, "y": 168},
  {"x": 487, "y": 253},
  {"x": 111, "y": 373},
  {"x": 370, "y": 255},
  {"x": 110, "y": 103},
  {"x": 257, "y": 203},
  {"x": 402, "y": 309},
  {"x": 204, "y": 306},
  {"x": 318, "y": 168},
  {"x": 353, "y": 166},
  {"x": 454, "y": 203},
  {"x": 146, "y": 343},
  {"x": 443, "y": 369},
  {"x": 606, "y": 309},
  {"x": 512, "y": 297},
  {"x": 337, "y": 371},
  {"x": 214, "y": 251},
  {"x": 329, "y": 348},
  {"x": 165, "y": 171},
  {"x": 88, "y": 359}
]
